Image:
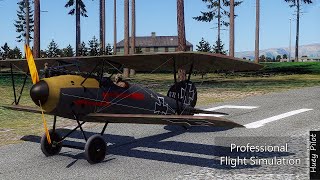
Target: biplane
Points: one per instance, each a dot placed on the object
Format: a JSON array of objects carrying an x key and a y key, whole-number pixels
[{"x": 82, "y": 89}]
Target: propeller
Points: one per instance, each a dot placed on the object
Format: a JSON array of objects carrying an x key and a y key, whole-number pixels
[
  {"x": 35, "y": 78},
  {"x": 32, "y": 65},
  {"x": 45, "y": 125}
]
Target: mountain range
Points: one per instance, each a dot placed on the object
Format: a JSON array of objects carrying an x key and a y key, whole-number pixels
[{"x": 310, "y": 50}]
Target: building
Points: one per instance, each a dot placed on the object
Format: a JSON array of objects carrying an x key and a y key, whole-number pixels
[
  {"x": 303, "y": 59},
  {"x": 309, "y": 59},
  {"x": 153, "y": 43}
]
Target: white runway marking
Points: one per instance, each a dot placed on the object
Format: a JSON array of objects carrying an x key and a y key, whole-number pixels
[
  {"x": 262, "y": 122},
  {"x": 231, "y": 107},
  {"x": 225, "y": 107}
]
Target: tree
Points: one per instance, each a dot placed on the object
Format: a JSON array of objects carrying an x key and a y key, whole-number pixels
[
  {"x": 53, "y": 50},
  {"x": 78, "y": 8},
  {"x": 115, "y": 26},
  {"x": 285, "y": 56},
  {"x": 262, "y": 58},
  {"x": 216, "y": 11},
  {"x": 43, "y": 54},
  {"x": 138, "y": 50},
  {"x": 6, "y": 49},
  {"x": 278, "y": 58},
  {"x": 219, "y": 48},
  {"x": 36, "y": 33},
  {"x": 68, "y": 51},
  {"x": 231, "y": 33},
  {"x": 181, "y": 26},
  {"x": 126, "y": 27},
  {"x": 102, "y": 24},
  {"x": 94, "y": 47},
  {"x": 109, "y": 50},
  {"x": 257, "y": 38},
  {"x": 24, "y": 24},
  {"x": 204, "y": 46},
  {"x": 296, "y": 4},
  {"x": 15, "y": 53},
  {"x": 133, "y": 26},
  {"x": 83, "y": 50},
  {"x": 1, "y": 53}
]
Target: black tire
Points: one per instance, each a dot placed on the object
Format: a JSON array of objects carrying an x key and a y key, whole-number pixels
[
  {"x": 95, "y": 149},
  {"x": 53, "y": 148}
]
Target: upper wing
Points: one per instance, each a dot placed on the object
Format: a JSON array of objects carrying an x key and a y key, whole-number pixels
[
  {"x": 204, "y": 62},
  {"x": 186, "y": 120}
]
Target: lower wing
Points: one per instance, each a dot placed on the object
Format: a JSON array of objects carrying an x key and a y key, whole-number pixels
[
  {"x": 186, "y": 120},
  {"x": 22, "y": 108}
]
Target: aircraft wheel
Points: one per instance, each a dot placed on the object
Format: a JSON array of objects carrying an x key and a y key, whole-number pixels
[
  {"x": 53, "y": 148},
  {"x": 95, "y": 149}
]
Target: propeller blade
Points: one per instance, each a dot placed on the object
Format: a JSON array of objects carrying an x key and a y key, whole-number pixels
[
  {"x": 45, "y": 125},
  {"x": 31, "y": 64}
]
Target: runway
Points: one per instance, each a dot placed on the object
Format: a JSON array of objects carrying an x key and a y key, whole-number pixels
[{"x": 171, "y": 152}]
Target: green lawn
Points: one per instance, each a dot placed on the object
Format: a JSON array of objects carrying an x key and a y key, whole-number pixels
[{"x": 293, "y": 67}]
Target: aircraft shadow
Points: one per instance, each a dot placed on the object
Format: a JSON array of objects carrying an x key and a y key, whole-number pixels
[{"x": 154, "y": 148}]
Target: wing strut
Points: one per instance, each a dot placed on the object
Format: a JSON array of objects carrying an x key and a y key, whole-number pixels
[
  {"x": 13, "y": 86},
  {"x": 175, "y": 84}
]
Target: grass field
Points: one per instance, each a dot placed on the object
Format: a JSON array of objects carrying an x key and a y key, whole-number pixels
[
  {"x": 211, "y": 88},
  {"x": 293, "y": 67}
]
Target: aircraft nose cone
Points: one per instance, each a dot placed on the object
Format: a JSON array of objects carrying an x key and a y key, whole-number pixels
[{"x": 39, "y": 92}]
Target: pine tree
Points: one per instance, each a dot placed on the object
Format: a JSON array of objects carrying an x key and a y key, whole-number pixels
[
  {"x": 43, "y": 54},
  {"x": 6, "y": 49},
  {"x": 53, "y": 49},
  {"x": 204, "y": 46},
  {"x": 262, "y": 58},
  {"x": 109, "y": 50},
  {"x": 138, "y": 50},
  {"x": 297, "y": 4},
  {"x": 15, "y": 53},
  {"x": 83, "y": 50},
  {"x": 21, "y": 24},
  {"x": 78, "y": 8},
  {"x": 1, "y": 53},
  {"x": 94, "y": 47},
  {"x": 68, "y": 51},
  {"x": 219, "y": 48},
  {"x": 217, "y": 11}
]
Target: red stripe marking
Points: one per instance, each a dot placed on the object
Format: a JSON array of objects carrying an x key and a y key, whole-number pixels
[
  {"x": 134, "y": 96},
  {"x": 90, "y": 103}
]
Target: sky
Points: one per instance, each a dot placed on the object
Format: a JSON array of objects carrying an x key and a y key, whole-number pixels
[{"x": 160, "y": 16}]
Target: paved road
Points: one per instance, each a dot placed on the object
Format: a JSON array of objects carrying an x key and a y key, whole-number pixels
[{"x": 170, "y": 152}]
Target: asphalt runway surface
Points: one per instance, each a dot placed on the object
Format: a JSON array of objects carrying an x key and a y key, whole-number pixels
[{"x": 171, "y": 152}]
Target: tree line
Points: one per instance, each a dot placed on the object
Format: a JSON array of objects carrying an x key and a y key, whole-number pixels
[
  {"x": 28, "y": 20},
  {"x": 92, "y": 48}
]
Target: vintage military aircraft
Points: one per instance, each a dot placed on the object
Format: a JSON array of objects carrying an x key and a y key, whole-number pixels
[{"x": 81, "y": 88}]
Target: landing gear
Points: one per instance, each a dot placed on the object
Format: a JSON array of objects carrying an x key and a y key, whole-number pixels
[
  {"x": 55, "y": 146},
  {"x": 95, "y": 149}
]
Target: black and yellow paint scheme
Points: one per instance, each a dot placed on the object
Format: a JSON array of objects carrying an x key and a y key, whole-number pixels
[{"x": 98, "y": 99}]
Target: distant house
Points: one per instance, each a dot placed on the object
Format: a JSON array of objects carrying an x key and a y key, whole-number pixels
[
  {"x": 309, "y": 59},
  {"x": 153, "y": 43},
  {"x": 303, "y": 59}
]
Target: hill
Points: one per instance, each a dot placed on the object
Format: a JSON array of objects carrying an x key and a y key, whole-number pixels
[{"x": 311, "y": 50}]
